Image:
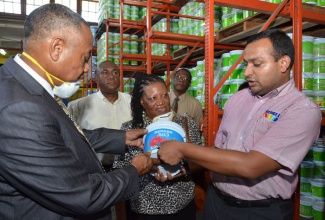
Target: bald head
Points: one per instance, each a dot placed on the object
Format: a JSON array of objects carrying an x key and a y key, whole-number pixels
[
  {"x": 49, "y": 20},
  {"x": 105, "y": 64}
]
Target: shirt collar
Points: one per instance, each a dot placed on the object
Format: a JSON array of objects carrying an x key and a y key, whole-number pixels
[
  {"x": 181, "y": 97},
  {"x": 104, "y": 99},
  {"x": 46, "y": 85}
]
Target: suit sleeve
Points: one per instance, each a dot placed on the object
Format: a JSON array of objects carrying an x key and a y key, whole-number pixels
[
  {"x": 45, "y": 160},
  {"x": 105, "y": 140}
]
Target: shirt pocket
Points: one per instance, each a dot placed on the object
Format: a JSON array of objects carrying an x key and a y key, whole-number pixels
[{"x": 262, "y": 125}]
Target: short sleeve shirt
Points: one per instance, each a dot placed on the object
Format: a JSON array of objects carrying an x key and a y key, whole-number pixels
[{"x": 283, "y": 125}]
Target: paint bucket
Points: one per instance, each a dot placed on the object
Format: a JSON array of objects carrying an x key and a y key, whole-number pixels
[
  {"x": 306, "y": 206},
  {"x": 238, "y": 73},
  {"x": 319, "y": 45},
  {"x": 319, "y": 169},
  {"x": 319, "y": 82},
  {"x": 318, "y": 188},
  {"x": 200, "y": 65},
  {"x": 305, "y": 187},
  {"x": 319, "y": 99},
  {"x": 163, "y": 129},
  {"x": 194, "y": 82},
  {"x": 307, "y": 63},
  {"x": 307, "y": 44},
  {"x": 318, "y": 210},
  {"x": 321, "y": 3},
  {"x": 319, "y": 64},
  {"x": 200, "y": 89},
  {"x": 309, "y": 156},
  {"x": 226, "y": 10},
  {"x": 225, "y": 89},
  {"x": 224, "y": 99},
  {"x": 307, "y": 169},
  {"x": 319, "y": 153},
  {"x": 234, "y": 55},
  {"x": 307, "y": 81},
  {"x": 225, "y": 59},
  {"x": 237, "y": 15},
  {"x": 226, "y": 20},
  {"x": 234, "y": 85},
  {"x": 200, "y": 78},
  {"x": 247, "y": 13},
  {"x": 134, "y": 13},
  {"x": 217, "y": 26}
]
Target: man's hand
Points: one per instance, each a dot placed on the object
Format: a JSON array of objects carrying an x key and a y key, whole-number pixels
[
  {"x": 144, "y": 163},
  {"x": 170, "y": 152},
  {"x": 134, "y": 137}
]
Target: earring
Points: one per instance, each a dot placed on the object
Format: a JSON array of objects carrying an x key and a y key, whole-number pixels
[{"x": 144, "y": 114}]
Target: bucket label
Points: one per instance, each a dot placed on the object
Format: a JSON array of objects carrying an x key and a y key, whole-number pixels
[{"x": 155, "y": 137}]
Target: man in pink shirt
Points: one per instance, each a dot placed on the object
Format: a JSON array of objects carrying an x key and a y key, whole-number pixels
[{"x": 266, "y": 131}]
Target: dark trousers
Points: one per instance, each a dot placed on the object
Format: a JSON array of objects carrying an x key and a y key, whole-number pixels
[{"x": 216, "y": 209}]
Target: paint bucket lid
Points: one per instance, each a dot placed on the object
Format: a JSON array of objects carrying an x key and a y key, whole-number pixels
[
  {"x": 308, "y": 38},
  {"x": 319, "y": 40}
]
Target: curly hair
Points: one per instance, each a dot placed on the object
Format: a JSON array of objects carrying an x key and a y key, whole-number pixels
[{"x": 141, "y": 82}]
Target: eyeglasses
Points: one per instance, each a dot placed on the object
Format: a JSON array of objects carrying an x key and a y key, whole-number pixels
[{"x": 181, "y": 78}]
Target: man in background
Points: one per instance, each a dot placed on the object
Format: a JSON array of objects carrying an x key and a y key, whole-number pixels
[
  {"x": 107, "y": 108},
  {"x": 181, "y": 102}
]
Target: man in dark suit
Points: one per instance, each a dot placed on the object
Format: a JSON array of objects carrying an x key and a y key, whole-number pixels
[{"x": 48, "y": 168}]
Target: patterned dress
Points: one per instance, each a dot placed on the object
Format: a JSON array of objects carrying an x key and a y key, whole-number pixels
[{"x": 155, "y": 197}]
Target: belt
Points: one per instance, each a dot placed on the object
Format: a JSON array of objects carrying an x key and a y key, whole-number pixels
[{"x": 232, "y": 201}]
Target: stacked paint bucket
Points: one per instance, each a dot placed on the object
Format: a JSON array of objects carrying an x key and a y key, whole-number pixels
[
  {"x": 128, "y": 84},
  {"x": 112, "y": 8},
  {"x": 198, "y": 79},
  {"x": 101, "y": 48},
  {"x": 200, "y": 82},
  {"x": 313, "y": 68},
  {"x": 232, "y": 16},
  {"x": 196, "y": 26},
  {"x": 236, "y": 78},
  {"x": 319, "y": 72},
  {"x": 312, "y": 182}
]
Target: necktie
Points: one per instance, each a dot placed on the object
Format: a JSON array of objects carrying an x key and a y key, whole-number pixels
[
  {"x": 66, "y": 110},
  {"x": 175, "y": 104}
]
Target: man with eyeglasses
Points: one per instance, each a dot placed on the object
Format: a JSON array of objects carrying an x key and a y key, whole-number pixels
[
  {"x": 106, "y": 108},
  {"x": 186, "y": 103}
]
